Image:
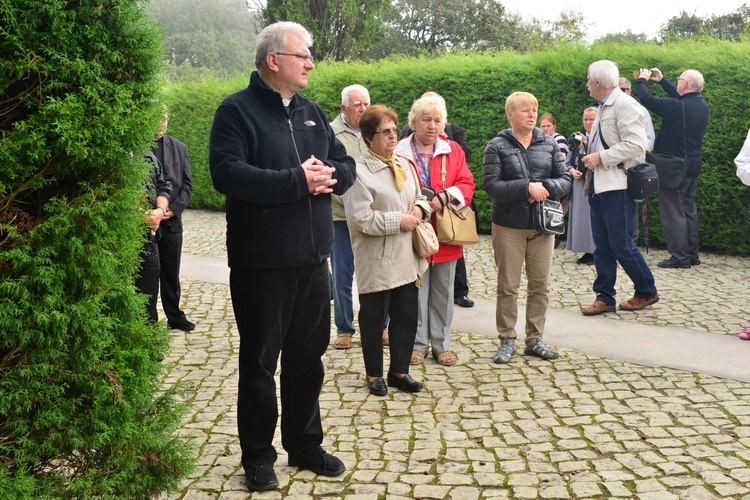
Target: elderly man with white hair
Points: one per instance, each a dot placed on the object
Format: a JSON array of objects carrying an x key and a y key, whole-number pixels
[
  {"x": 618, "y": 142},
  {"x": 355, "y": 99}
]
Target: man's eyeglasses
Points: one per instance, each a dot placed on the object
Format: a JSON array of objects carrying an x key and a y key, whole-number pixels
[
  {"x": 304, "y": 57},
  {"x": 389, "y": 132}
]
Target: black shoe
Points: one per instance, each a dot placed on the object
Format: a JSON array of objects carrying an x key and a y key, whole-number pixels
[
  {"x": 464, "y": 301},
  {"x": 377, "y": 387},
  {"x": 695, "y": 262},
  {"x": 405, "y": 384},
  {"x": 261, "y": 477},
  {"x": 182, "y": 324},
  {"x": 673, "y": 264},
  {"x": 322, "y": 464},
  {"x": 587, "y": 258}
]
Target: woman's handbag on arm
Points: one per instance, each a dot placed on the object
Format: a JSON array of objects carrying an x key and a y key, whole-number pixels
[
  {"x": 455, "y": 227},
  {"x": 425, "y": 240}
]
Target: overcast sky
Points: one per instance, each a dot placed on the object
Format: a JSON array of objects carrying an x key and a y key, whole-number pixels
[{"x": 638, "y": 16}]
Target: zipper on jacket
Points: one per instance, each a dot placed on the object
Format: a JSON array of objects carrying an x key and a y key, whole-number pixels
[{"x": 309, "y": 201}]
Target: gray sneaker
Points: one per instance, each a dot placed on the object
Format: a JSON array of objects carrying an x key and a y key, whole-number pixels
[
  {"x": 541, "y": 350},
  {"x": 506, "y": 351}
]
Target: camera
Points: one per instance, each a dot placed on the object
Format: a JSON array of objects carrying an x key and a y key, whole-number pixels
[{"x": 575, "y": 140}]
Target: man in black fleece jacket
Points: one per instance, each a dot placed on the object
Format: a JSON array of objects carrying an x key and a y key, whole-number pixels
[{"x": 274, "y": 155}]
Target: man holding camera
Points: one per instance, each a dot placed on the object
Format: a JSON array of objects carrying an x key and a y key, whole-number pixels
[{"x": 684, "y": 121}]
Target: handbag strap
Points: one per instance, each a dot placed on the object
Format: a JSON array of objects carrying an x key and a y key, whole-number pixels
[
  {"x": 443, "y": 171},
  {"x": 684, "y": 134}
]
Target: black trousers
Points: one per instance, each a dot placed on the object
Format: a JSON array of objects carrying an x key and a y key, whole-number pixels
[
  {"x": 170, "y": 252},
  {"x": 460, "y": 283},
  {"x": 281, "y": 311},
  {"x": 147, "y": 280},
  {"x": 402, "y": 303}
]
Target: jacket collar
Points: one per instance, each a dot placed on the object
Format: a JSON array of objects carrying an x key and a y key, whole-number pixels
[
  {"x": 537, "y": 135},
  {"x": 259, "y": 87},
  {"x": 404, "y": 148}
]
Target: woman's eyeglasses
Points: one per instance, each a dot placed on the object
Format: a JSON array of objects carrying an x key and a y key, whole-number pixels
[{"x": 389, "y": 131}]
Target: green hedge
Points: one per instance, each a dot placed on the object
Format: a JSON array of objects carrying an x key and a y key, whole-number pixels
[{"x": 476, "y": 85}]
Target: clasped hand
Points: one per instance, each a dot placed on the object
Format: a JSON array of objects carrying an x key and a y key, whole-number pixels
[
  {"x": 319, "y": 176},
  {"x": 537, "y": 192},
  {"x": 411, "y": 219}
]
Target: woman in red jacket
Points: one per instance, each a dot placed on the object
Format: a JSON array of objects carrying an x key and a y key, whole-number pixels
[{"x": 441, "y": 166}]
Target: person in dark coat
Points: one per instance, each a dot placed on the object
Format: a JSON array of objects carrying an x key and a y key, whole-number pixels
[
  {"x": 275, "y": 157},
  {"x": 158, "y": 191},
  {"x": 684, "y": 121},
  {"x": 522, "y": 166},
  {"x": 175, "y": 162}
]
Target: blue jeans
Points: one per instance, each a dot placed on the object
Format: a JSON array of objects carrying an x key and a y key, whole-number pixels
[
  {"x": 612, "y": 221},
  {"x": 342, "y": 265}
]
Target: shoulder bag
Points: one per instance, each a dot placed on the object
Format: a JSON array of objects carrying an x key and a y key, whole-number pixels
[
  {"x": 424, "y": 239},
  {"x": 643, "y": 179},
  {"x": 548, "y": 216},
  {"x": 672, "y": 168},
  {"x": 455, "y": 227}
]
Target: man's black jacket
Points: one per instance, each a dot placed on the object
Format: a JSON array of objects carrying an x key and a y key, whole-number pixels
[{"x": 256, "y": 150}]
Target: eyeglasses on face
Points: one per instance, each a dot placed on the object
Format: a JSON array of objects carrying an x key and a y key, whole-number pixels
[
  {"x": 624, "y": 89},
  {"x": 389, "y": 132},
  {"x": 304, "y": 57}
]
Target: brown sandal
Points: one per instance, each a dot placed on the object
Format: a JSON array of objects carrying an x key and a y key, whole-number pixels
[
  {"x": 445, "y": 358},
  {"x": 343, "y": 341},
  {"x": 417, "y": 357}
]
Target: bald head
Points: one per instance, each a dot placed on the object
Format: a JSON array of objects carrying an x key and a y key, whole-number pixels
[{"x": 693, "y": 81}]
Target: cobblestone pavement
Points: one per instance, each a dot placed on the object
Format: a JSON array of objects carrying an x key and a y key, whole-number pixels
[{"x": 578, "y": 427}]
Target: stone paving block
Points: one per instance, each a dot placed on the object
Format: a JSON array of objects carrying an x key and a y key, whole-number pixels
[
  {"x": 525, "y": 492},
  {"x": 431, "y": 491},
  {"x": 616, "y": 489},
  {"x": 585, "y": 490},
  {"x": 731, "y": 490}
]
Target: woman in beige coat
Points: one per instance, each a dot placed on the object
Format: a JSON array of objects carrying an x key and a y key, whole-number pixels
[{"x": 383, "y": 208}]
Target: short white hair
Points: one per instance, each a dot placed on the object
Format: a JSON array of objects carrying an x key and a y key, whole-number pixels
[
  {"x": 425, "y": 105},
  {"x": 273, "y": 39},
  {"x": 352, "y": 88},
  {"x": 605, "y": 72}
]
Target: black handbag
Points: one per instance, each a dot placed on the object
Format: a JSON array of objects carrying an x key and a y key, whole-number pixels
[
  {"x": 643, "y": 181},
  {"x": 672, "y": 169},
  {"x": 548, "y": 216}
]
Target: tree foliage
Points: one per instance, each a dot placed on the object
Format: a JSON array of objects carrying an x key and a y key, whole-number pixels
[
  {"x": 214, "y": 34},
  {"x": 82, "y": 411},
  {"x": 623, "y": 37},
  {"x": 433, "y": 27},
  {"x": 341, "y": 28},
  {"x": 726, "y": 27}
]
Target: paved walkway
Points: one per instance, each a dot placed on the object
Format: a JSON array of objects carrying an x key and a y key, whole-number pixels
[{"x": 653, "y": 404}]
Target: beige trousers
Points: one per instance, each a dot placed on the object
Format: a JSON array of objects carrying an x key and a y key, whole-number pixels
[{"x": 513, "y": 248}]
